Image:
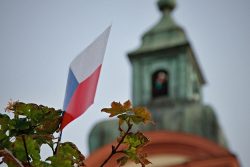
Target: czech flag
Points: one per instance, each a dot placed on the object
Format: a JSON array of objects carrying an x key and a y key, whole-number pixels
[{"x": 83, "y": 77}]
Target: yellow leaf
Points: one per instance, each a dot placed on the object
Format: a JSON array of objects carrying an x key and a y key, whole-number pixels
[
  {"x": 127, "y": 104},
  {"x": 143, "y": 113},
  {"x": 117, "y": 108}
]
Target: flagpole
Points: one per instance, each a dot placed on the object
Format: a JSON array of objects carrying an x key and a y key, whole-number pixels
[{"x": 60, "y": 135}]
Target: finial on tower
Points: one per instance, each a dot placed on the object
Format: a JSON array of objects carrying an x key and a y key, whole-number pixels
[{"x": 166, "y": 4}]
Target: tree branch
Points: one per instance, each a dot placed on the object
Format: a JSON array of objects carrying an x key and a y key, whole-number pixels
[
  {"x": 7, "y": 153},
  {"x": 26, "y": 150},
  {"x": 114, "y": 149}
]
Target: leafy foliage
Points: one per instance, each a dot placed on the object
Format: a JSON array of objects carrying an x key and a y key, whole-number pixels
[
  {"x": 22, "y": 136},
  {"x": 133, "y": 141},
  {"x": 32, "y": 125}
]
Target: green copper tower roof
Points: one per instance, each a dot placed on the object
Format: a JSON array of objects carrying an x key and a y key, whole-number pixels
[{"x": 165, "y": 34}]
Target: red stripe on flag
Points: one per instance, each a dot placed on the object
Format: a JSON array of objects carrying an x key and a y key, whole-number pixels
[{"x": 82, "y": 98}]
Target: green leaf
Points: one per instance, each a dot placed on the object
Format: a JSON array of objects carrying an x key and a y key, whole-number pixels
[
  {"x": 67, "y": 156},
  {"x": 4, "y": 121},
  {"x": 4, "y": 129},
  {"x": 42, "y": 118},
  {"x": 19, "y": 150},
  {"x": 135, "y": 142},
  {"x": 4, "y": 141},
  {"x": 33, "y": 149}
]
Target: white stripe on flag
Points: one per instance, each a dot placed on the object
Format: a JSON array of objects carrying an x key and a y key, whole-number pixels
[{"x": 92, "y": 57}]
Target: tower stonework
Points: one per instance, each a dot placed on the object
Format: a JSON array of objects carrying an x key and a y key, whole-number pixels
[{"x": 167, "y": 79}]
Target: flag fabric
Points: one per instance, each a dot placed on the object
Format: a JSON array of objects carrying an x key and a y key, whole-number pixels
[{"x": 83, "y": 77}]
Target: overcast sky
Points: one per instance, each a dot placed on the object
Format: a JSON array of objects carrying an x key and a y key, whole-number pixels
[{"x": 38, "y": 40}]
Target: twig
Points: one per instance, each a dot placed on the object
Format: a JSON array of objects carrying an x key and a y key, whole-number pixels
[
  {"x": 26, "y": 150},
  {"x": 6, "y": 152},
  {"x": 114, "y": 149}
]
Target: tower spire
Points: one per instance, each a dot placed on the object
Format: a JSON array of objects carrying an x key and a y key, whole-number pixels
[{"x": 168, "y": 5}]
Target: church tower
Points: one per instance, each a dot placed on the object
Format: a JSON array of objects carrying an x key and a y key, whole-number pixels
[
  {"x": 168, "y": 80},
  {"x": 164, "y": 66}
]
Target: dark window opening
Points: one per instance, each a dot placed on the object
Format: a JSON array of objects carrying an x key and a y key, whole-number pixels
[
  {"x": 160, "y": 80},
  {"x": 195, "y": 87}
]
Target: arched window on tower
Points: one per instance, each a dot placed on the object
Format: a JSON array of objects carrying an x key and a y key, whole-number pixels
[{"x": 160, "y": 80}]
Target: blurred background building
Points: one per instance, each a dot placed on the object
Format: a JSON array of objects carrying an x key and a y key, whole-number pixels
[{"x": 167, "y": 78}]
